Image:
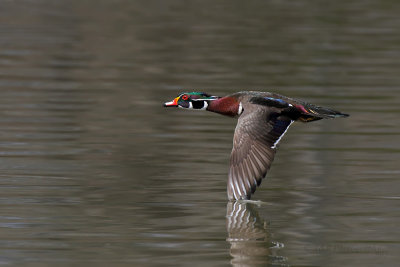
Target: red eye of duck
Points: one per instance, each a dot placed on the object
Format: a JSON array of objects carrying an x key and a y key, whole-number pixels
[{"x": 185, "y": 97}]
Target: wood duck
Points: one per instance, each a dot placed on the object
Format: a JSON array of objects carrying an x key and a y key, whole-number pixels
[{"x": 263, "y": 119}]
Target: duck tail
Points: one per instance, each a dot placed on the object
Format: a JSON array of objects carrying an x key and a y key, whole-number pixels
[{"x": 309, "y": 112}]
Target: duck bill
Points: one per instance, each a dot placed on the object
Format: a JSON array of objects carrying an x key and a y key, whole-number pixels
[{"x": 173, "y": 103}]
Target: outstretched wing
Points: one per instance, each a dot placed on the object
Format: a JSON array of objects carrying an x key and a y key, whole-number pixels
[{"x": 254, "y": 145}]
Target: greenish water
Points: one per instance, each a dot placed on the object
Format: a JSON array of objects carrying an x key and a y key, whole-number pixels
[{"x": 95, "y": 172}]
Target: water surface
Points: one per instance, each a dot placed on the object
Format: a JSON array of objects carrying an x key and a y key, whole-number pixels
[{"x": 94, "y": 171}]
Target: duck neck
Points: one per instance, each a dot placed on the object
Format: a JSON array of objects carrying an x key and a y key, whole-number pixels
[{"x": 228, "y": 106}]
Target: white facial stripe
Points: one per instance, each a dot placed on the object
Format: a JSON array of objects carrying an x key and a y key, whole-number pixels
[
  {"x": 240, "y": 109},
  {"x": 205, "y": 105},
  {"x": 204, "y": 99},
  {"x": 280, "y": 137}
]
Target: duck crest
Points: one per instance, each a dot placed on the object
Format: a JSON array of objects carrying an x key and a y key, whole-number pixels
[{"x": 229, "y": 106}]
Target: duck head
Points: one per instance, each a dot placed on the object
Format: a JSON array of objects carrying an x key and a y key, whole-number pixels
[{"x": 193, "y": 100}]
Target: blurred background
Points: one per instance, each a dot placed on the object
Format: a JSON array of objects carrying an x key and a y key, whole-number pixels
[{"x": 95, "y": 172}]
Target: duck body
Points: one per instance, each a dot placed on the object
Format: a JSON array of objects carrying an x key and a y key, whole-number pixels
[{"x": 263, "y": 119}]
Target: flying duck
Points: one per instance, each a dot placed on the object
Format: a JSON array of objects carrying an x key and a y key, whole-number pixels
[{"x": 263, "y": 119}]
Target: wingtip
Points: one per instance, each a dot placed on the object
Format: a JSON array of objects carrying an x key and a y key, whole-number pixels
[{"x": 342, "y": 115}]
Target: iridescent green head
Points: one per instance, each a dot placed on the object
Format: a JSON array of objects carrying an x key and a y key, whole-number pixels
[{"x": 192, "y": 100}]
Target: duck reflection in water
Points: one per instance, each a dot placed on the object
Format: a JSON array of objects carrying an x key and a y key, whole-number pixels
[{"x": 249, "y": 238}]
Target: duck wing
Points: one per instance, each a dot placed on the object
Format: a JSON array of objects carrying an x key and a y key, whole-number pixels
[
  {"x": 296, "y": 109},
  {"x": 258, "y": 131}
]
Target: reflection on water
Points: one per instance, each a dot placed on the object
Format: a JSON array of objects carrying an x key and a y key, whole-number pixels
[
  {"x": 94, "y": 171},
  {"x": 248, "y": 236}
]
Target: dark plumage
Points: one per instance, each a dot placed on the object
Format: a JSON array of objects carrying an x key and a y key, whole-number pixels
[{"x": 263, "y": 119}]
